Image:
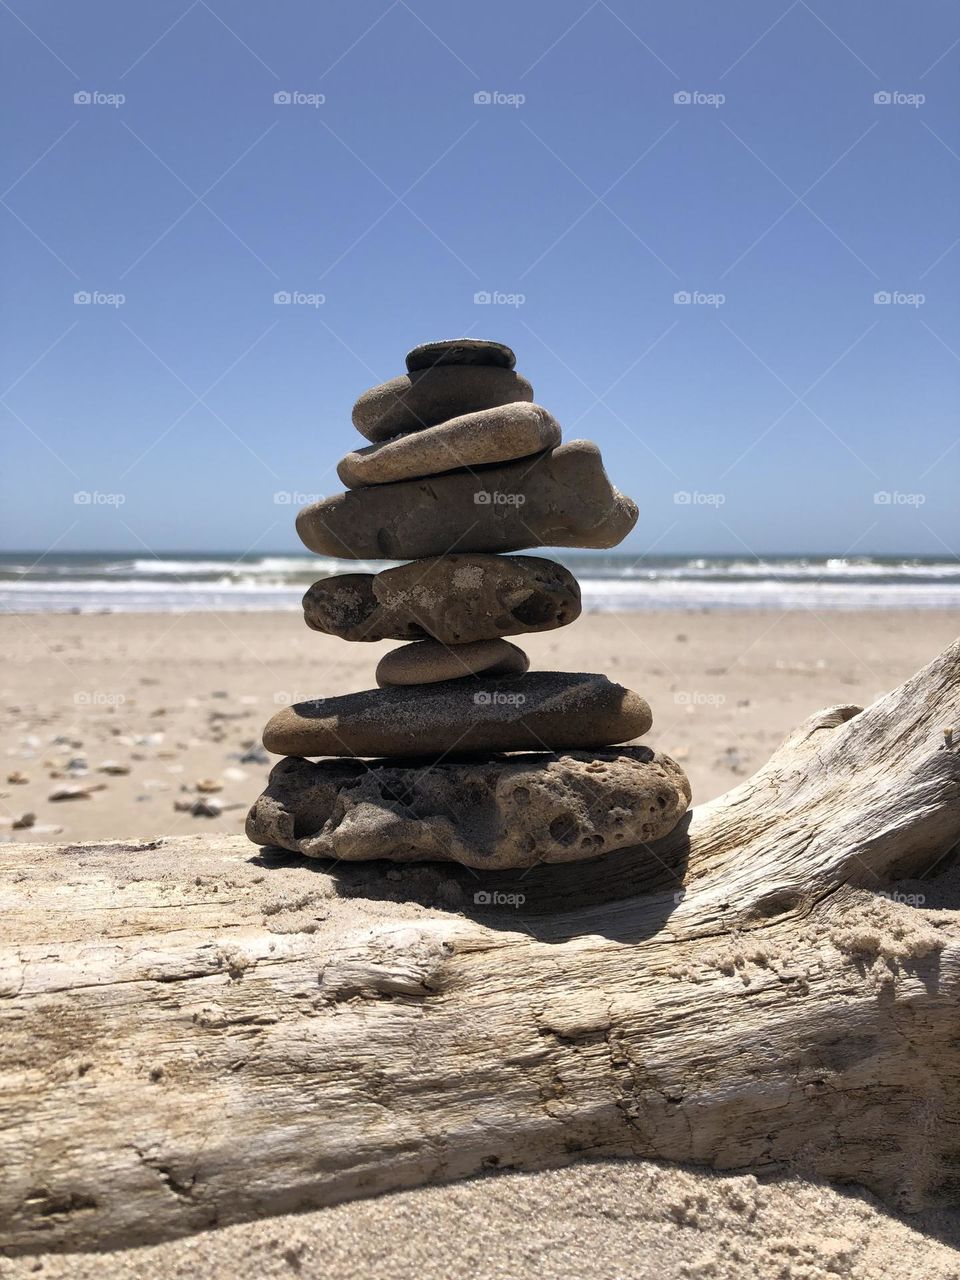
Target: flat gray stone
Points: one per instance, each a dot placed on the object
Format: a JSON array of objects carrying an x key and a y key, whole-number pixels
[
  {"x": 453, "y": 599},
  {"x": 429, "y": 661},
  {"x": 560, "y": 498},
  {"x": 428, "y": 396},
  {"x": 460, "y": 351},
  {"x": 474, "y": 439},
  {"x": 542, "y": 710},
  {"x": 492, "y": 813}
]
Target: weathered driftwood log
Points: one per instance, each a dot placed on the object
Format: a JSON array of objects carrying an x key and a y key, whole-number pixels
[{"x": 194, "y": 1033}]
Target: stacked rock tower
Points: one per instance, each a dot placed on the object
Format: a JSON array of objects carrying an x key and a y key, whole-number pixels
[{"x": 462, "y": 753}]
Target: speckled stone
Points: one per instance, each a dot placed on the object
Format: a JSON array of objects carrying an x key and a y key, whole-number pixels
[
  {"x": 560, "y": 498},
  {"x": 429, "y": 661},
  {"x": 453, "y": 599},
  {"x": 428, "y": 396},
  {"x": 492, "y": 813},
  {"x": 460, "y": 351},
  {"x": 547, "y": 710},
  {"x": 474, "y": 439}
]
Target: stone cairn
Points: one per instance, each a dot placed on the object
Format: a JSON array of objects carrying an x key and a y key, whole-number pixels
[{"x": 461, "y": 753}]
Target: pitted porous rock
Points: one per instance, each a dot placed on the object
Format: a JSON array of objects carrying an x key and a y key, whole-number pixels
[{"x": 492, "y": 813}]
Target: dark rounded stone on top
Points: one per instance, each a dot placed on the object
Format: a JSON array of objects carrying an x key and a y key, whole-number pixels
[{"x": 460, "y": 351}]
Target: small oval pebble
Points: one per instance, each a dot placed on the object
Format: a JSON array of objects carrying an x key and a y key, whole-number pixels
[
  {"x": 460, "y": 351},
  {"x": 429, "y": 396},
  {"x": 429, "y": 661}
]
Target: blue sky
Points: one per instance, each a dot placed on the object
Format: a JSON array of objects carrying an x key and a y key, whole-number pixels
[{"x": 781, "y": 197}]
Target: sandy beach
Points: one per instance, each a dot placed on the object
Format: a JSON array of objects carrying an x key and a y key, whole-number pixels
[
  {"x": 145, "y": 715},
  {"x": 605, "y": 1220}
]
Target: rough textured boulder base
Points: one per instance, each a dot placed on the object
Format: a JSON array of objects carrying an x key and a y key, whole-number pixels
[
  {"x": 460, "y": 351},
  {"x": 475, "y": 439},
  {"x": 506, "y": 811},
  {"x": 429, "y": 661},
  {"x": 454, "y": 599},
  {"x": 433, "y": 395},
  {"x": 561, "y": 498},
  {"x": 542, "y": 710}
]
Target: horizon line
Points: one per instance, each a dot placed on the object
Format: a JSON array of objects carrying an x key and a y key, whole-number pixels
[{"x": 140, "y": 554}]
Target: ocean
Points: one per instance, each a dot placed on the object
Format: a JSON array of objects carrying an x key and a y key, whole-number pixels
[{"x": 116, "y": 583}]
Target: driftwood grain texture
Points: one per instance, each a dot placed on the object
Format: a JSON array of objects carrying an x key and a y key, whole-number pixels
[{"x": 193, "y": 1033}]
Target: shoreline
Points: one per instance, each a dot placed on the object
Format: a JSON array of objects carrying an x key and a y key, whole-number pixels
[
  {"x": 617, "y": 581},
  {"x": 600, "y": 596}
]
